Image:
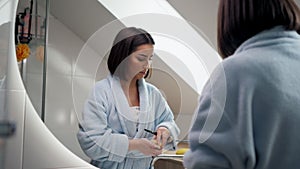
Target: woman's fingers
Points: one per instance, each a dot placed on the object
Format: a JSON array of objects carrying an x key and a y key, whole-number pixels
[
  {"x": 148, "y": 147},
  {"x": 157, "y": 152},
  {"x": 162, "y": 136}
]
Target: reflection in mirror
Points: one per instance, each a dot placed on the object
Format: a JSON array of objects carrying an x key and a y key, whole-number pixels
[
  {"x": 71, "y": 72},
  {"x": 93, "y": 57},
  {"x": 30, "y": 39}
]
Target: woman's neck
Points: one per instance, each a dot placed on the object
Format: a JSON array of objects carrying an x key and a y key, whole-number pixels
[{"x": 130, "y": 89}]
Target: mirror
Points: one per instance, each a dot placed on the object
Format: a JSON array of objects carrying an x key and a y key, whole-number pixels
[{"x": 77, "y": 47}]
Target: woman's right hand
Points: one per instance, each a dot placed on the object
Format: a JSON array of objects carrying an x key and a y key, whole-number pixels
[{"x": 145, "y": 146}]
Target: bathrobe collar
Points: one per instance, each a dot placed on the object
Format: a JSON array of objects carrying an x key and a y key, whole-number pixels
[
  {"x": 146, "y": 115},
  {"x": 266, "y": 37}
]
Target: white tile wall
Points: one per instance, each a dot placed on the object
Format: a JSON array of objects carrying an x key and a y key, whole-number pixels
[
  {"x": 33, "y": 87},
  {"x": 81, "y": 89},
  {"x": 58, "y": 101},
  {"x": 60, "y": 115},
  {"x": 63, "y": 48},
  {"x": 183, "y": 121}
]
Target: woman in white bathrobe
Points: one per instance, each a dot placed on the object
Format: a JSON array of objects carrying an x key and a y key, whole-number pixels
[
  {"x": 121, "y": 106},
  {"x": 249, "y": 111}
]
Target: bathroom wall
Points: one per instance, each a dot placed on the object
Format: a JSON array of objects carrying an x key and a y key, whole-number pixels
[
  {"x": 60, "y": 117},
  {"x": 63, "y": 48}
]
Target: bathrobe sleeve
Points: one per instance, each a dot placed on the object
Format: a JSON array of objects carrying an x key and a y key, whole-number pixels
[
  {"x": 230, "y": 145},
  {"x": 95, "y": 136},
  {"x": 166, "y": 119}
]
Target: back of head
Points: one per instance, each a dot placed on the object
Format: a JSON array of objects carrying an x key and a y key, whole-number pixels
[
  {"x": 125, "y": 43},
  {"x": 239, "y": 20}
]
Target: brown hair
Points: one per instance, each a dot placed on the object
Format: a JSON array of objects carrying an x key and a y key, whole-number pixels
[
  {"x": 125, "y": 43},
  {"x": 239, "y": 20}
]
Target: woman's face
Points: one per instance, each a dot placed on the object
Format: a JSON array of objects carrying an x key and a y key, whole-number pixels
[{"x": 139, "y": 62}]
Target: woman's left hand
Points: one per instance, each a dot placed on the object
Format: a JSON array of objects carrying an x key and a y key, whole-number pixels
[{"x": 162, "y": 136}]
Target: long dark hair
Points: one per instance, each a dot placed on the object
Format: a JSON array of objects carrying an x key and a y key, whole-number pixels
[
  {"x": 125, "y": 43},
  {"x": 239, "y": 20}
]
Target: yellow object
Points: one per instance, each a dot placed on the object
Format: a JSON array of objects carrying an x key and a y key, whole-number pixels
[
  {"x": 181, "y": 151},
  {"x": 22, "y": 51}
]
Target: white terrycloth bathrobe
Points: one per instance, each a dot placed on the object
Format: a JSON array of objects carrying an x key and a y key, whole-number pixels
[
  {"x": 260, "y": 124},
  {"x": 107, "y": 124}
]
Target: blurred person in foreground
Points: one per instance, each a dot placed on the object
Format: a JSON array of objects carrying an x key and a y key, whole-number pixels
[{"x": 259, "y": 124}]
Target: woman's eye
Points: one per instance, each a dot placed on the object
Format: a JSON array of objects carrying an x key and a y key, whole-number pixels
[
  {"x": 144, "y": 58},
  {"x": 141, "y": 59}
]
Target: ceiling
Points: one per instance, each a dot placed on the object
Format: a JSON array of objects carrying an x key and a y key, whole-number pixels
[
  {"x": 85, "y": 17},
  {"x": 202, "y": 14},
  {"x": 82, "y": 17}
]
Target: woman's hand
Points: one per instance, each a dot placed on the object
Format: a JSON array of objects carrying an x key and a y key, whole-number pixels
[
  {"x": 145, "y": 146},
  {"x": 162, "y": 136}
]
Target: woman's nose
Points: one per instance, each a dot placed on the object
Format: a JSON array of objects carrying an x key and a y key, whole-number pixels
[{"x": 147, "y": 64}]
